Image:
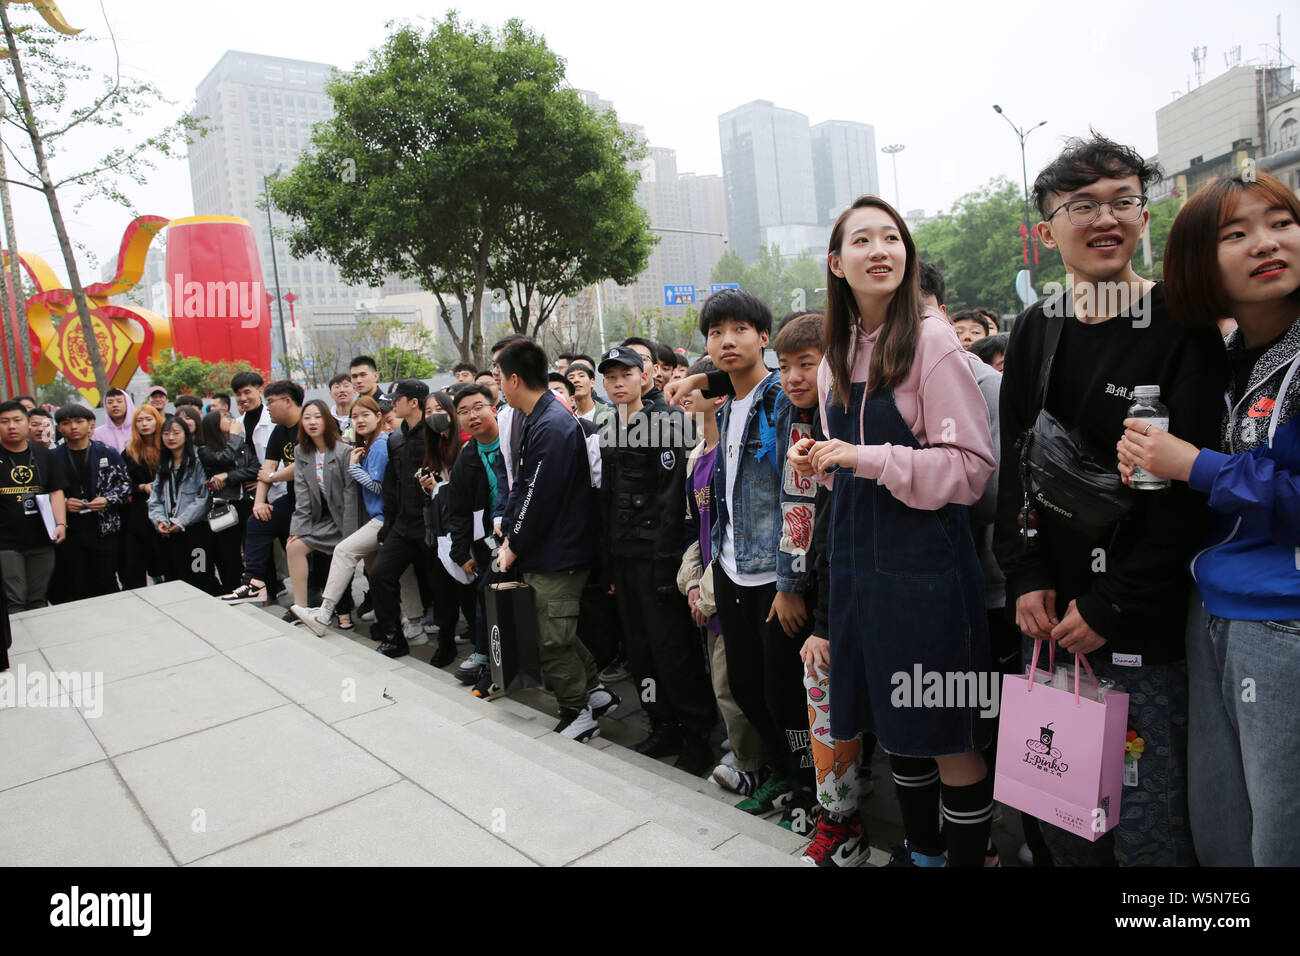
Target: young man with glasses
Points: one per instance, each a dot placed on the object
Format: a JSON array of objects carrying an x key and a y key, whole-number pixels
[{"x": 1122, "y": 598}]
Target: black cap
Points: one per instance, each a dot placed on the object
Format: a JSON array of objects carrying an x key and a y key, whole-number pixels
[
  {"x": 411, "y": 388},
  {"x": 621, "y": 355}
]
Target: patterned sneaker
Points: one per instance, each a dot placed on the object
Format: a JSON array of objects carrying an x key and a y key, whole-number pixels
[
  {"x": 743, "y": 782},
  {"x": 603, "y": 701},
  {"x": 839, "y": 842},
  {"x": 577, "y": 725},
  {"x": 773, "y": 794},
  {"x": 246, "y": 593}
]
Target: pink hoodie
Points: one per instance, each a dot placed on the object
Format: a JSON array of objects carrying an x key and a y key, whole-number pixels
[
  {"x": 117, "y": 436},
  {"x": 941, "y": 403}
]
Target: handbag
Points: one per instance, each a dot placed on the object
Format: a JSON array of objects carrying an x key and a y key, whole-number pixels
[
  {"x": 511, "y": 620},
  {"x": 1061, "y": 754},
  {"x": 1064, "y": 482},
  {"x": 221, "y": 515}
]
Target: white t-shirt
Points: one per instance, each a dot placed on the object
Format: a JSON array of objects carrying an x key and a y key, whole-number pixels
[
  {"x": 733, "y": 447},
  {"x": 590, "y": 415}
]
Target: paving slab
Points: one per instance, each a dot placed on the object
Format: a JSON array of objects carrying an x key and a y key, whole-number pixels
[
  {"x": 652, "y": 845},
  {"x": 219, "y": 624},
  {"x": 156, "y": 644},
  {"x": 88, "y": 620},
  {"x": 174, "y": 701},
  {"x": 539, "y": 812},
  {"x": 219, "y": 787},
  {"x": 40, "y": 741},
  {"x": 400, "y": 825},
  {"x": 168, "y": 593},
  {"x": 84, "y": 817},
  {"x": 332, "y": 688}
]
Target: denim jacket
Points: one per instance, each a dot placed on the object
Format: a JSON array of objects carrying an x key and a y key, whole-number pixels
[{"x": 757, "y": 511}]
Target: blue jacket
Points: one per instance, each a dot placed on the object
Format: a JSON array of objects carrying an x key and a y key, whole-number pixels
[
  {"x": 550, "y": 517},
  {"x": 1250, "y": 570},
  {"x": 757, "y": 509},
  {"x": 372, "y": 492}
]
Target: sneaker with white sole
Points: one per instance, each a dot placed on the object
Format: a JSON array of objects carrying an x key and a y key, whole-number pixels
[
  {"x": 414, "y": 633},
  {"x": 246, "y": 593},
  {"x": 839, "y": 842},
  {"x": 577, "y": 725},
  {"x": 743, "y": 782},
  {"x": 602, "y": 702},
  {"x": 728, "y": 758},
  {"x": 316, "y": 618}
]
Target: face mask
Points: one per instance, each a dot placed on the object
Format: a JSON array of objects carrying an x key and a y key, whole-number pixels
[{"x": 438, "y": 422}]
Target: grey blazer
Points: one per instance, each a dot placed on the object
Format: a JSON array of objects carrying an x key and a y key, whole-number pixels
[{"x": 322, "y": 531}]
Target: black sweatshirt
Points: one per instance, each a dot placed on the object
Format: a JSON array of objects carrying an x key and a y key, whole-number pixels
[{"x": 1131, "y": 589}]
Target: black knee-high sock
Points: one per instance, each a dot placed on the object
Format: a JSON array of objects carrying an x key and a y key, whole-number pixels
[
  {"x": 917, "y": 781},
  {"x": 967, "y": 817}
]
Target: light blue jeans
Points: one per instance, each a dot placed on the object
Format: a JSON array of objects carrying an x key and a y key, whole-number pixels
[{"x": 1243, "y": 784}]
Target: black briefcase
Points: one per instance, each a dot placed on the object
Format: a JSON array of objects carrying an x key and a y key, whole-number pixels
[{"x": 512, "y": 635}]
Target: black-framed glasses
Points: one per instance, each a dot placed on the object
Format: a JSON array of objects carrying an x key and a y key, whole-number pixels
[{"x": 1084, "y": 212}]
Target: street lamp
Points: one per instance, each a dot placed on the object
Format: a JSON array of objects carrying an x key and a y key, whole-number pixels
[
  {"x": 1022, "y": 135},
  {"x": 893, "y": 150},
  {"x": 275, "y": 269}
]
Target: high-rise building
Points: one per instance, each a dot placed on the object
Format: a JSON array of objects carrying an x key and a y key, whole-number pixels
[
  {"x": 260, "y": 110},
  {"x": 768, "y": 170},
  {"x": 1208, "y": 132},
  {"x": 844, "y": 166}
]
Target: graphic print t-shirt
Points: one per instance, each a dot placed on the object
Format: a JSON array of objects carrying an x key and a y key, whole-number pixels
[
  {"x": 23, "y": 475},
  {"x": 279, "y": 448}
]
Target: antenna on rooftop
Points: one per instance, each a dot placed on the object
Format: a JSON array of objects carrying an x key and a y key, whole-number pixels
[
  {"x": 1233, "y": 57},
  {"x": 1198, "y": 58}
]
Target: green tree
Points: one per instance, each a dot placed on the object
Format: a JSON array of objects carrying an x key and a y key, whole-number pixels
[
  {"x": 439, "y": 152},
  {"x": 785, "y": 286},
  {"x": 41, "y": 105},
  {"x": 178, "y": 373}
]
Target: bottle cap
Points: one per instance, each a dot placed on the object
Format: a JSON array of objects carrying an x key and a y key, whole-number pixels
[{"x": 1146, "y": 391}]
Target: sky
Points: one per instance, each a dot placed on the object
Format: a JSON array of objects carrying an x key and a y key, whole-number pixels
[{"x": 924, "y": 74}]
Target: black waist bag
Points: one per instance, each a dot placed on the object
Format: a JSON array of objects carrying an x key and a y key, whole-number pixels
[{"x": 1068, "y": 485}]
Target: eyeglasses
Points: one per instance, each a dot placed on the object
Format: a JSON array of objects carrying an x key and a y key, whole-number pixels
[
  {"x": 1084, "y": 212},
  {"x": 474, "y": 409}
]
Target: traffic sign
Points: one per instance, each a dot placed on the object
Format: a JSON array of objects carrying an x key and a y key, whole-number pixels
[
  {"x": 679, "y": 295},
  {"x": 719, "y": 286}
]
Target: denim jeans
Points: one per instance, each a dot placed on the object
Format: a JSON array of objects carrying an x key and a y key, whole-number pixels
[
  {"x": 1153, "y": 827},
  {"x": 1243, "y": 789}
]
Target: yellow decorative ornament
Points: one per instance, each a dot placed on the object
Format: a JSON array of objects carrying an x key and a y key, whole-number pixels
[{"x": 50, "y": 13}]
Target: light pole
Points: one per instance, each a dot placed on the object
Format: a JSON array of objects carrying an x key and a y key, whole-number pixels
[
  {"x": 275, "y": 268},
  {"x": 1022, "y": 135},
  {"x": 893, "y": 150}
]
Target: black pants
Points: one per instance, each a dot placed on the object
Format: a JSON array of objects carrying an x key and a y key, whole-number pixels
[
  {"x": 600, "y": 627},
  {"x": 187, "y": 556},
  {"x": 765, "y": 672},
  {"x": 664, "y": 651},
  {"x": 85, "y": 564},
  {"x": 395, "y": 555},
  {"x": 450, "y": 599},
  {"x": 259, "y": 540}
]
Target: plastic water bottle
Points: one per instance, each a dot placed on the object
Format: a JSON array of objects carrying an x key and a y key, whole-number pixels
[{"x": 1146, "y": 406}]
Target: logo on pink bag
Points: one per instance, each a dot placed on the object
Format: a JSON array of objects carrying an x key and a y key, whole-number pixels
[{"x": 1041, "y": 755}]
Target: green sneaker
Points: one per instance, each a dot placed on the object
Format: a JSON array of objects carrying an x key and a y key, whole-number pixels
[{"x": 774, "y": 794}]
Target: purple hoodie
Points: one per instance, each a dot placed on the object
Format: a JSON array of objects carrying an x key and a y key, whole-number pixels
[{"x": 117, "y": 436}]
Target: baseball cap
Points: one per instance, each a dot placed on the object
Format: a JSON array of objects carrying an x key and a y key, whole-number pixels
[
  {"x": 621, "y": 355},
  {"x": 411, "y": 388},
  {"x": 156, "y": 389}
]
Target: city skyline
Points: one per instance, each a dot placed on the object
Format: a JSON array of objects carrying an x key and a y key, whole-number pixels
[{"x": 931, "y": 91}]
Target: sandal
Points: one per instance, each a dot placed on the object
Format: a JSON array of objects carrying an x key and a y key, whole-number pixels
[{"x": 345, "y": 622}]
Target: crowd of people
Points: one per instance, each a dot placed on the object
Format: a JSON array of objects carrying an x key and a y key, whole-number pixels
[{"x": 772, "y": 547}]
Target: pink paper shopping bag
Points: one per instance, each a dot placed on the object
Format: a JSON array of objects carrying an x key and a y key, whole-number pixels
[{"x": 1061, "y": 752}]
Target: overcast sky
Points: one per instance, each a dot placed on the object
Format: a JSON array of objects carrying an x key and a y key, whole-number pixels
[{"x": 923, "y": 74}]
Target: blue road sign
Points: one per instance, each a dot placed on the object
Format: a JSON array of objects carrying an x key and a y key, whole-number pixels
[
  {"x": 679, "y": 295},
  {"x": 719, "y": 286}
]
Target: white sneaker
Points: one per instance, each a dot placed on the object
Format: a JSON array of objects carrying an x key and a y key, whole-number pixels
[
  {"x": 414, "y": 633},
  {"x": 316, "y": 618},
  {"x": 368, "y": 617},
  {"x": 581, "y": 726},
  {"x": 729, "y": 759},
  {"x": 742, "y": 782}
]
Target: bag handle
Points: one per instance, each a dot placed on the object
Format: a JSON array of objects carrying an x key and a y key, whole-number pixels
[{"x": 1051, "y": 666}]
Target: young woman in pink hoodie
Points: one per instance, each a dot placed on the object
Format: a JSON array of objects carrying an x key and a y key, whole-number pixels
[{"x": 908, "y": 432}]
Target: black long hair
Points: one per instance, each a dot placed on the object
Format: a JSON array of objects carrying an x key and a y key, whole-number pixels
[
  {"x": 189, "y": 458},
  {"x": 439, "y": 450},
  {"x": 214, "y": 439}
]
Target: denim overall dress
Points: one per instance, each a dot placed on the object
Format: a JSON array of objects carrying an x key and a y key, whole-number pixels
[{"x": 906, "y": 598}]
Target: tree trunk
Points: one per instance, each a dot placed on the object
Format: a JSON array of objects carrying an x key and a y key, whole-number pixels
[
  {"x": 20, "y": 346},
  {"x": 52, "y": 197}
]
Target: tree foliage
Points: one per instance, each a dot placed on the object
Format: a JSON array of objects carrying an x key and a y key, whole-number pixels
[
  {"x": 455, "y": 154},
  {"x": 178, "y": 373},
  {"x": 793, "y": 286}
]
